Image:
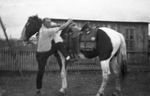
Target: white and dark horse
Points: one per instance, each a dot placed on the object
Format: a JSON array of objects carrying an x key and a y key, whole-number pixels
[{"x": 110, "y": 48}]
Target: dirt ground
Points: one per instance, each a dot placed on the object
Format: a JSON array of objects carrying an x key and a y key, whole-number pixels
[{"x": 80, "y": 83}]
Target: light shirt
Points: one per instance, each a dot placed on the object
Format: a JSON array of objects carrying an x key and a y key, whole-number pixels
[{"x": 46, "y": 35}]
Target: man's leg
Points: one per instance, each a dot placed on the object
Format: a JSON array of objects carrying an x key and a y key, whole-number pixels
[
  {"x": 41, "y": 59},
  {"x": 61, "y": 47}
]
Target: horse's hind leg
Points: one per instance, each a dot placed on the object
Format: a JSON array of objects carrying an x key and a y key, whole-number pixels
[
  {"x": 115, "y": 69},
  {"x": 105, "y": 73}
]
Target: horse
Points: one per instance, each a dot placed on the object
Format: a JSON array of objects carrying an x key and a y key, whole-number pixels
[
  {"x": 32, "y": 27},
  {"x": 111, "y": 50}
]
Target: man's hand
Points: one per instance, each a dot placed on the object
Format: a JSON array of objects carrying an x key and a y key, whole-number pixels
[
  {"x": 70, "y": 21},
  {"x": 66, "y": 24}
]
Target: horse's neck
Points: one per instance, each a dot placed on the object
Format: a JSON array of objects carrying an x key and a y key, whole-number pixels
[{"x": 39, "y": 23}]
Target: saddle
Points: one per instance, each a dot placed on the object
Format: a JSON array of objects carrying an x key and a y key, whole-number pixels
[
  {"x": 88, "y": 40},
  {"x": 79, "y": 41}
]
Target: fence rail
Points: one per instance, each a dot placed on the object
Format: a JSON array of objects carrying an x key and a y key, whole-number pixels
[{"x": 26, "y": 61}]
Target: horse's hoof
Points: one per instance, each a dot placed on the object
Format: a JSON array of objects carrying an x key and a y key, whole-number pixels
[
  {"x": 62, "y": 91},
  {"x": 38, "y": 93},
  {"x": 114, "y": 94},
  {"x": 100, "y": 94}
]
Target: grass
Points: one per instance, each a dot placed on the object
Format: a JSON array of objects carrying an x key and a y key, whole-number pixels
[{"x": 80, "y": 83}]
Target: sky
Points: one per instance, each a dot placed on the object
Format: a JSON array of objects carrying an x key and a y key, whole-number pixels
[{"x": 15, "y": 13}]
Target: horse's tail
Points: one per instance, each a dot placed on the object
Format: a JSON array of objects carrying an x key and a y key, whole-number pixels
[{"x": 122, "y": 57}]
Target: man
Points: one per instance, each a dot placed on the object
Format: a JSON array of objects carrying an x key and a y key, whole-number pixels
[
  {"x": 49, "y": 41},
  {"x": 86, "y": 28},
  {"x": 53, "y": 33}
]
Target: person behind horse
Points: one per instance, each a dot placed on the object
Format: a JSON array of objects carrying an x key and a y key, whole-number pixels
[
  {"x": 49, "y": 42},
  {"x": 86, "y": 28}
]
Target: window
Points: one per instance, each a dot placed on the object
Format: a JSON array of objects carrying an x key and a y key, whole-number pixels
[{"x": 129, "y": 36}]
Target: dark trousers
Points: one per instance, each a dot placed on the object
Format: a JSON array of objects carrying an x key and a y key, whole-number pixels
[
  {"x": 42, "y": 59},
  {"x": 60, "y": 46}
]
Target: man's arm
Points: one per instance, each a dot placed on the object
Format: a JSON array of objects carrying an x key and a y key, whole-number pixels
[
  {"x": 53, "y": 24},
  {"x": 66, "y": 24}
]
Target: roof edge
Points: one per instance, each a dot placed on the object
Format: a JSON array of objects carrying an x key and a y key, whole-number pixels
[{"x": 96, "y": 20}]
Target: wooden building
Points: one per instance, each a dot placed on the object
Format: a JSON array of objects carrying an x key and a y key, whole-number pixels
[
  {"x": 149, "y": 44},
  {"x": 149, "y": 48},
  {"x": 135, "y": 33}
]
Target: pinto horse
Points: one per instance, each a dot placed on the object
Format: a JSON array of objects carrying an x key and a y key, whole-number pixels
[{"x": 111, "y": 50}]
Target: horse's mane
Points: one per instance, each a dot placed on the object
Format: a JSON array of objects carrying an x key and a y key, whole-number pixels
[
  {"x": 37, "y": 23},
  {"x": 36, "y": 18}
]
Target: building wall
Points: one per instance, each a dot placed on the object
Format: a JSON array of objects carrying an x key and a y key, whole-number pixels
[
  {"x": 149, "y": 49},
  {"x": 149, "y": 44}
]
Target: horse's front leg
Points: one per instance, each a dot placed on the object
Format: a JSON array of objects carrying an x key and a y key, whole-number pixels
[
  {"x": 64, "y": 80},
  {"x": 105, "y": 73},
  {"x": 62, "y": 64}
]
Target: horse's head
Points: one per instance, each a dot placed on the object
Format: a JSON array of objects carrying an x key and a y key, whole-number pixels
[{"x": 32, "y": 26}]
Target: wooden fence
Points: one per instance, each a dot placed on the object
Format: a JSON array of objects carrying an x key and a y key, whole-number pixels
[{"x": 26, "y": 61}]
